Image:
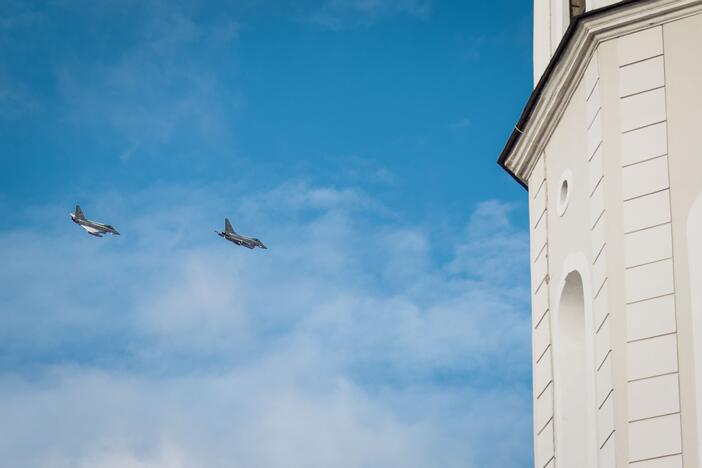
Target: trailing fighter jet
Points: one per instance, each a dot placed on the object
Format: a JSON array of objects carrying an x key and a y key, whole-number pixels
[
  {"x": 93, "y": 228},
  {"x": 238, "y": 239}
]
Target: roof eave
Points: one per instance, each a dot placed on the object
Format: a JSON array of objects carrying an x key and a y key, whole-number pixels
[{"x": 565, "y": 43}]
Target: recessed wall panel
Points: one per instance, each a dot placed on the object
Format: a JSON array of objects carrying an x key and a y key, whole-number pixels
[
  {"x": 645, "y": 177},
  {"x": 644, "y": 143},
  {"x": 544, "y": 445},
  {"x": 649, "y": 281},
  {"x": 647, "y": 211},
  {"x": 541, "y": 338},
  {"x": 648, "y": 245},
  {"x": 544, "y": 409},
  {"x": 653, "y": 317},
  {"x": 652, "y": 357},
  {"x": 655, "y": 437},
  {"x": 642, "y": 109},
  {"x": 652, "y": 397},
  {"x": 542, "y": 373},
  {"x": 640, "y": 45},
  {"x": 641, "y": 76}
]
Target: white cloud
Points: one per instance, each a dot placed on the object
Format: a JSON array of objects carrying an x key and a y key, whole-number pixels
[
  {"x": 344, "y": 345},
  {"x": 492, "y": 247}
]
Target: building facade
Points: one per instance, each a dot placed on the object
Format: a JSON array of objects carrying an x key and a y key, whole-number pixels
[{"x": 609, "y": 147}]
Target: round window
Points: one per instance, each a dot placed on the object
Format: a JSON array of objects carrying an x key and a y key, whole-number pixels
[{"x": 564, "y": 189}]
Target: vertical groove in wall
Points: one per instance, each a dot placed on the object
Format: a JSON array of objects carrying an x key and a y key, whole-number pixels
[
  {"x": 652, "y": 352},
  {"x": 604, "y": 398}
]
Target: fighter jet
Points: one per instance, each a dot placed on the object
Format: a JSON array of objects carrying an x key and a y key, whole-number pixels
[
  {"x": 93, "y": 228},
  {"x": 238, "y": 239}
]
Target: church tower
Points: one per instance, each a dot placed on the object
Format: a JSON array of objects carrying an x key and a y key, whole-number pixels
[{"x": 609, "y": 147}]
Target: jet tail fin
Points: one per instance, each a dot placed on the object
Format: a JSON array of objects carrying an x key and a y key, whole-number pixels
[
  {"x": 79, "y": 213},
  {"x": 228, "y": 226}
]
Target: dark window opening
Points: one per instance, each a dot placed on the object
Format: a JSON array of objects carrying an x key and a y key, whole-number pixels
[{"x": 577, "y": 7}]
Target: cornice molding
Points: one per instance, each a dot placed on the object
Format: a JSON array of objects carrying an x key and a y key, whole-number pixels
[{"x": 569, "y": 67}]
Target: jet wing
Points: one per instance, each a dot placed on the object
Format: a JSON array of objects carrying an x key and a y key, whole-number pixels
[{"x": 92, "y": 230}]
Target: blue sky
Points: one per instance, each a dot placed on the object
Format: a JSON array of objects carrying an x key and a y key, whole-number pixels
[{"x": 388, "y": 324}]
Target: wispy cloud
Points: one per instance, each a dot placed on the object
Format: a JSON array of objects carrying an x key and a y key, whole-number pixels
[
  {"x": 345, "y": 344},
  {"x": 16, "y": 18},
  {"x": 17, "y": 14},
  {"x": 340, "y": 14},
  {"x": 16, "y": 99},
  {"x": 462, "y": 124},
  {"x": 157, "y": 90}
]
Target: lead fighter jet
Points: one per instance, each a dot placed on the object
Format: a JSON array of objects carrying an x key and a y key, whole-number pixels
[
  {"x": 93, "y": 228},
  {"x": 238, "y": 239}
]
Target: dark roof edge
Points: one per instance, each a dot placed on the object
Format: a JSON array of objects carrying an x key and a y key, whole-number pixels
[
  {"x": 545, "y": 77},
  {"x": 514, "y": 176}
]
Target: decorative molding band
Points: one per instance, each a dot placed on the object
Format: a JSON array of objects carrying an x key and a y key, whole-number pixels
[{"x": 569, "y": 66}]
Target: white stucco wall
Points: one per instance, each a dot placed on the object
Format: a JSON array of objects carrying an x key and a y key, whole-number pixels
[
  {"x": 629, "y": 142},
  {"x": 551, "y": 19}
]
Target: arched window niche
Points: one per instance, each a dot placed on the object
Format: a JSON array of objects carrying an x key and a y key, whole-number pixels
[{"x": 573, "y": 420}]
